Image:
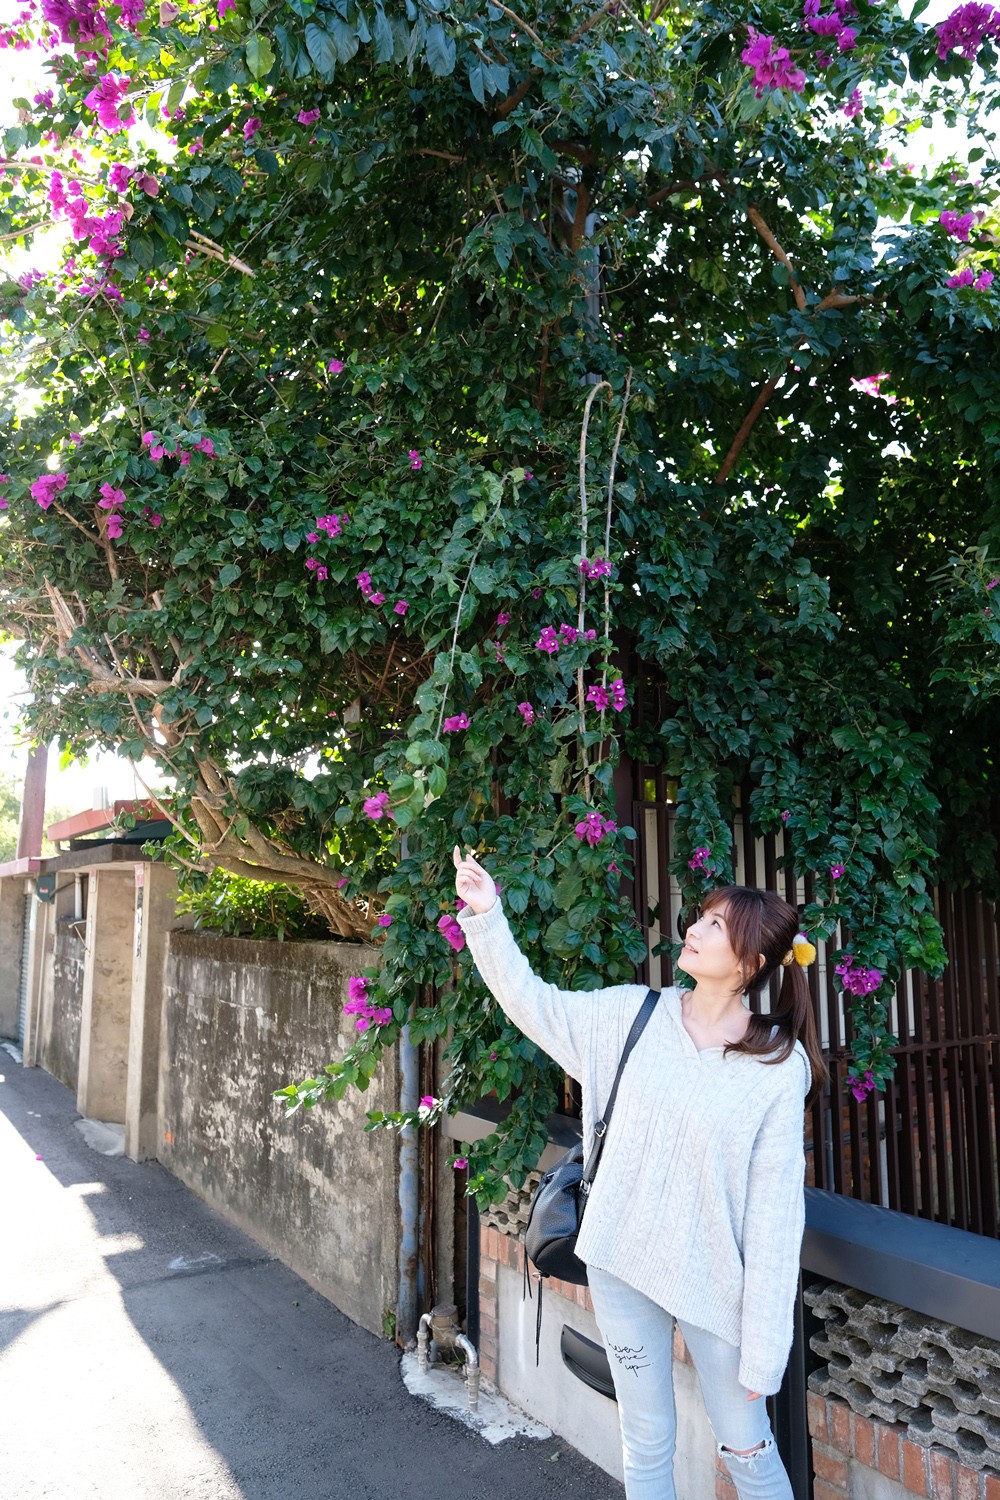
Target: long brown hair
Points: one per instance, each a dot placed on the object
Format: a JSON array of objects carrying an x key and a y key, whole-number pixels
[{"x": 761, "y": 923}]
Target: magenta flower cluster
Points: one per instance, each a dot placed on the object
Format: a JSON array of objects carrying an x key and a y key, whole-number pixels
[
  {"x": 111, "y": 500},
  {"x": 527, "y": 712},
  {"x": 105, "y": 98},
  {"x": 599, "y": 568},
  {"x": 608, "y": 697},
  {"x": 958, "y": 225},
  {"x": 452, "y": 931},
  {"x": 967, "y": 28},
  {"x": 831, "y": 26},
  {"x": 377, "y": 807},
  {"x": 101, "y": 231},
  {"x": 47, "y": 487},
  {"x": 594, "y": 827},
  {"x": 456, "y": 722},
  {"x": 550, "y": 639},
  {"x": 855, "y": 978},
  {"x": 772, "y": 66},
  {"x": 700, "y": 860},
  {"x": 967, "y": 277},
  {"x": 158, "y": 450},
  {"x": 862, "y": 1087},
  {"x": 360, "y": 1006}
]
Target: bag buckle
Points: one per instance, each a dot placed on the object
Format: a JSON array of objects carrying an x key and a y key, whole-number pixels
[
  {"x": 585, "y": 1187},
  {"x": 600, "y": 1128}
]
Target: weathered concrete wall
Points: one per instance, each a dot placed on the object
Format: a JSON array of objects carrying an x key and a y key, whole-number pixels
[
  {"x": 62, "y": 989},
  {"x": 240, "y": 1019},
  {"x": 11, "y": 937},
  {"x": 107, "y": 994}
]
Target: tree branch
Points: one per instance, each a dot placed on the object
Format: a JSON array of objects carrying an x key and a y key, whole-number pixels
[{"x": 757, "y": 220}]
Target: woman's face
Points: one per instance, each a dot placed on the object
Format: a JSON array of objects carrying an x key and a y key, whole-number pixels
[{"x": 707, "y": 953}]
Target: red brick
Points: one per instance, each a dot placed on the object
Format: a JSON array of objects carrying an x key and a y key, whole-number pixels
[
  {"x": 887, "y": 1449},
  {"x": 487, "y": 1324},
  {"x": 914, "y": 1467},
  {"x": 488, "y": 1270},
  {"x": 824, "y": 1491},
  {"x": 505, "y": 1249},
  {"x": 830, "y": 1465},
  {"x": 864, "y": 1441},
  {"x": 991, "y": 1487},
  {"x": 488, "y": 1294},
  {"x": 589, "y": 1305},
  {"x": 493, "y": 1244},
  {"x": 516, "y": 1252},
  {"x": 966, "y": 1483},
  {"x": 817, "y": 1417},
  {"x": 942, "y": 1474},
  {"x": 839, "y": 1422}
]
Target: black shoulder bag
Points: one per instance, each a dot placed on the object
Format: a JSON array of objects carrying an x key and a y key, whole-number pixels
[{"x": 561, "y": 1196}]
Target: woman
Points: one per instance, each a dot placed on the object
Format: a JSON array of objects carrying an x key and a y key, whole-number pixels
[{"x": 697, "y": 1210}]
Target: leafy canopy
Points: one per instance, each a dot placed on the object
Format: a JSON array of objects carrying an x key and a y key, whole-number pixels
[{"x": 296, "y": 500}]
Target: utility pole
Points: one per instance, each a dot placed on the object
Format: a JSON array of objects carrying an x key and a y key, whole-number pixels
[{"x": 29, "y": 838}]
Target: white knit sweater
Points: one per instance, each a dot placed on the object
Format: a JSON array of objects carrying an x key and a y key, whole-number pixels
[{"x": 699, "y": 1200}]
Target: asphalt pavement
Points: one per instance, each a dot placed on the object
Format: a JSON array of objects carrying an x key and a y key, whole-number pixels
[{"x": 151, "y": 1351}]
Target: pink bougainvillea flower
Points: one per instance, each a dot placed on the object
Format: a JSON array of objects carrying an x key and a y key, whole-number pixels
[
  {"x": 594, "y": 827},
  {"x": 207, "y": 447},
  {"x": 385, "y": 920},
  {"x": 836, "y": 872},
  {"x": 503, "y": 618},
  {"x": 854, "y": 105},
  {"x": 967, "y": 28},
  {"x": 613, "y": 869},
  {"x": 528, "y": 475},
  {"x": 224, "y": 6},
  {"x": 377, "y": 807},
  {"x": 772, "y": 66},
  {"x": 47, "y": 487},
  {"x": 106, "y": 99},
  {"x": 308, "y": 116},
  {"x": 331, "y": 524},
  {"x": 110, "y": 497},
  {"x": 957, "y": 225},
  {"x": 376, "y": 598},
  {"x": 416, "y": 462},
  {"x": 548, "y": 640},
  {"x": 699, "y": 861},
  {"x": 335, "y": 366},
  {"x": 251, "y": 127},
  {"x": 964, "y": 277},
  {"x": 861, "y": 1088},
  {"x": 569, "y": 634},
  {"x": 599, "y": 568},
  {"x": 848, "y": 39},
  {"x": 599, "y": 696},
  {"x": 357, "y": 987},
  {"x": 527, "y": 712},
  {"x": 460, "y": 1163},
  {"x": 983, "y": 281},
  {"x": 452, "y": 932},
  {"x": 119, "y": 176},
  {"x": 855, "y": 978},
  {"x": 785, "y": 815},
  {"x": 428, "y": 1101},
  {"x": 364, "y": 582},
  {"x": 456, "y": 722},
  {"x": 401, "y": 606}
]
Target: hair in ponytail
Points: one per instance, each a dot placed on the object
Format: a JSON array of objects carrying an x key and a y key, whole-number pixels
[{"x": 761, "y": 923}]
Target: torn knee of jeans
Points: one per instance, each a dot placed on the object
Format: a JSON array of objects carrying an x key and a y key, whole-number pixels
[{"x": 749, "y": 1453}]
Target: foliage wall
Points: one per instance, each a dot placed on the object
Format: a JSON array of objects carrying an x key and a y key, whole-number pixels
[{"x": 296, "y": 499}]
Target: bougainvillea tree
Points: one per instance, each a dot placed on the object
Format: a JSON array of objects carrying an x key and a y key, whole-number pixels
[{"x": 415, "y": 377}]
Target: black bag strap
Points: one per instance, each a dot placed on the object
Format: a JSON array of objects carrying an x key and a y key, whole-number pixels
[{"x": 601, "y": 1126}]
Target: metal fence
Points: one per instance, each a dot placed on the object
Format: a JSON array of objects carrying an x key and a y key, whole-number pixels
[{"x": 927, "y": 1145}]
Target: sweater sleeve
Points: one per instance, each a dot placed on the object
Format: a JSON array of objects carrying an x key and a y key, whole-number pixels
[
  {"x": 560, "y": 1021},
  {"x": 772, "y": 1243}
]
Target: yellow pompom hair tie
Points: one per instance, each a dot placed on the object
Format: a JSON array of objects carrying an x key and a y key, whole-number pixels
[{"x": 802, "y": 952}]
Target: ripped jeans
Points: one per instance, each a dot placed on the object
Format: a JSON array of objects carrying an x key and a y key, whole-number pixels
[{"x": 639, "y": 1338}]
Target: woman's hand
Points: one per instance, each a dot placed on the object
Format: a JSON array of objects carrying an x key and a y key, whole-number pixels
[
  {"x": 753, "y": 1395},
  {"x": 475, "y": 887}
]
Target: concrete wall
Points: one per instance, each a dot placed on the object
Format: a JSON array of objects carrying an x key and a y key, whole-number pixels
[
  {"x": 11, "y": 929},
  {"x": 240, "y": 1019},
  {"x": 57, "y": 1041},
  {"x": 105, "y": 1010}
]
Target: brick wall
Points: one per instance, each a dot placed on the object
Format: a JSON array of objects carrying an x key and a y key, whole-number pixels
[{"x": 842, "y": 1439}]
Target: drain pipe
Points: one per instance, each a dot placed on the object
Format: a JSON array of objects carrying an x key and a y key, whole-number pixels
[
  {"x": 409, "y": 1193},
  {"x": 439, "y": 1330}
]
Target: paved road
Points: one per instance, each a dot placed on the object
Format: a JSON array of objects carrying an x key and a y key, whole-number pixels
[{"x": 149, "y": 1351}]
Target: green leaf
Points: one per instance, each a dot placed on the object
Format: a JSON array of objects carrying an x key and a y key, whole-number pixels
[
  {"x": 259, "y": 55},
  {"x": 322, "y": 49},
  {"x": 229, "y": 574},
  {"x": 439, "y": 51}
]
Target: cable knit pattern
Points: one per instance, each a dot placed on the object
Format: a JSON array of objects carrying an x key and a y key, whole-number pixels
[{"x": 699, "y": 1201}]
